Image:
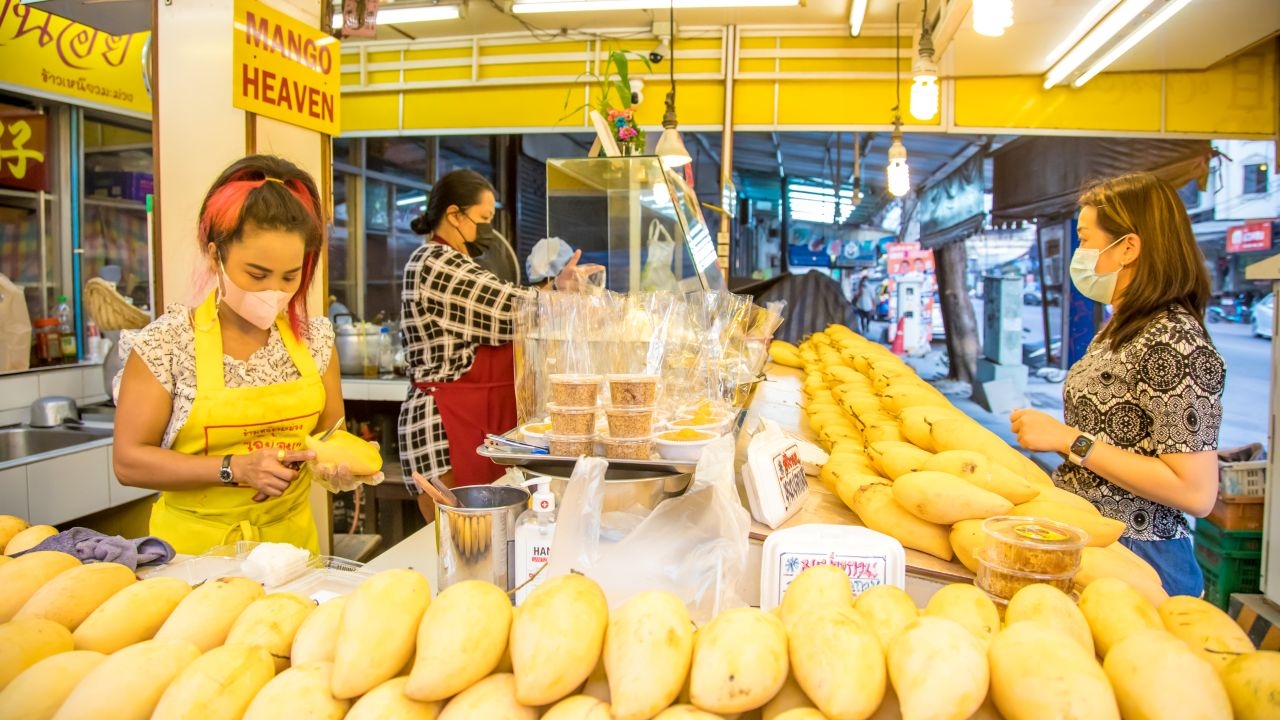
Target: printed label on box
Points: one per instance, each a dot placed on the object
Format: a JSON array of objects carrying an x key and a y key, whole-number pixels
[{"x": 864, "y": 571}]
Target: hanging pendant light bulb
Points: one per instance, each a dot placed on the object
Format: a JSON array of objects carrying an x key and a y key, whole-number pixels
[
  {"x": 670, "y": 148},
  {"x": 899, "y": 174},
  {"x": 992, "y": 17},
  {"x": 924, "y": 71}
]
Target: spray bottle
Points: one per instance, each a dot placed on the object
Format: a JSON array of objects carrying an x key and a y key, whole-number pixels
[{"x": 535, "y": 529}]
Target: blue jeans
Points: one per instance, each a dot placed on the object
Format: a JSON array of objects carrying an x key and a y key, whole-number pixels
[{"x": 1174, "y": 561}]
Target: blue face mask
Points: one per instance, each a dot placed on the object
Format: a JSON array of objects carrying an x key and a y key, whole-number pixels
[{"x": 1100, "y": 287}]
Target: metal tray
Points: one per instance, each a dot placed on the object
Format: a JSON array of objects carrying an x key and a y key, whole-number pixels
[{"x": 565, "y": 463}]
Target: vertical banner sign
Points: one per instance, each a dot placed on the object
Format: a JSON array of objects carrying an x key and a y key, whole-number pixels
[
  {"x": 284, "y": 69},
  {"x": 24, "y": 146},
  {"x": 54, "y": 57}
]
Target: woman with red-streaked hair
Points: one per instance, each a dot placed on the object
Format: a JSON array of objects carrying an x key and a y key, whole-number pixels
[{"x": 215, "y": 399}]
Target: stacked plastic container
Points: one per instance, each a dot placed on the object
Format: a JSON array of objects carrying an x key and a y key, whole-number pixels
[
  {"x": 1023, "y": 550},
  {"x": 573, "y": 414},
  {"x": 632, "y": 399}
]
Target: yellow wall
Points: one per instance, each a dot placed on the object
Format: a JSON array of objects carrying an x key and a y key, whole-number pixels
[{"x": 539, "y": 92}]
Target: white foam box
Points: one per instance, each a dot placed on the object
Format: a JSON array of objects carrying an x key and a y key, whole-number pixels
[
  {"x": 868, "y": 557},
  {"x": 774, "y": 479}
]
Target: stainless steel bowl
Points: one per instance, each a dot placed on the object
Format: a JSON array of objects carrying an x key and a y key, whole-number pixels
[{"x": 625, "y": 489}]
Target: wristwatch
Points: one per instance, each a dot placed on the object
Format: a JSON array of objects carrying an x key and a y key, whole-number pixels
[
  {"x": 225, "y": 474},
  {"x": 1080, "y": 448}
]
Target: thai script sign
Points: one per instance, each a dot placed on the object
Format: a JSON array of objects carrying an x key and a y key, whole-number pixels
[
  {"x": 23, "y": 149},
  {"x": 284, "y": 69},
  {"x": 54, "y": 56},
  {"x": 1250, "y": 237}
]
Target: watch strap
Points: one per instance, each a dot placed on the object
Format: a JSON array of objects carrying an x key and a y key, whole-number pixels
[{"x": 225, "y": 474}]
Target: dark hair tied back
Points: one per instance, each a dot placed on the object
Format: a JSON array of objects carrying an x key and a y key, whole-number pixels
[{"x": 460, "y": 187}]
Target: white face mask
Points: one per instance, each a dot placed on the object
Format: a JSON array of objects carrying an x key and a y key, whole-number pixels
[
  {"x": 1100, "y": 287},
  {"x": 259, "y": 308}
]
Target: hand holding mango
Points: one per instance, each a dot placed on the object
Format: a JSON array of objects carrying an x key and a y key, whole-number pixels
[{"x": 344, "y": 461}]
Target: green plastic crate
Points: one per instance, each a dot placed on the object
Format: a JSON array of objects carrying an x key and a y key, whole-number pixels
[
  {"x": 1224, "y": 575},
  {"x": 1231, "y": 543}
]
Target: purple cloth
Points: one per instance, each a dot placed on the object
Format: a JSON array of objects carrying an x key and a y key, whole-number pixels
[{"x": 92, "y": 546}]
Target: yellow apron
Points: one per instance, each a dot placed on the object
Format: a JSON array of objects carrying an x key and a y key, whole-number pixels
[{"x": 240, "y": 420}]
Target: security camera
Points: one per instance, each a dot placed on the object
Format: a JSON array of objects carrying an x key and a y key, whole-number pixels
[
  {"x": 637, "y": 91},
  {"x": 659, "y": 53}
]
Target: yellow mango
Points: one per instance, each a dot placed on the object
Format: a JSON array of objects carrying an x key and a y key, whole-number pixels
[
  {"x": 22, "y": 577},
  {"x": 968, "y": 606},
  {"x": 71, "y": 596},
  {"x": 218, "y": 685},
  {"x": 24, "y": 643},
  {"x": 974, "y": 468},
  {"x": 1039, "y": 672},
  {"x": 461, "y": 639},
  {"x": 557, "y": 638},
  {"x": 827, "y": 647},
  {"x": 343, "y": 448},
  {"x": 11, "y": 525},
  {"x": 1208, "y": 631},
  {"x": 943, "y": 498},
  {"x": 492, "y": 697},
  {"x": 40, "y": 690},
  {"x": 1117, "y": 561},
  {"x": 378, "y": 631},
  {"x": 1115, "y": 611},
  {"x": 914, "y": 659},
  {"x": 888, "y": 610},
  {"x": 875, "y": 506},
  {"x": 739, "y": 661},
  {"x": 302, "y": 691},
  {"x": 317, "y": 636},
  {"x": 1102, "y": 531},
  {"x": 1252, "y": 682},
  {"x": 1156, "y": 676},
  {"x": 388, "y": 702},
  {"x": 29, "y": 537},
  {"x": 206, "y": 614},
  {"x": 132, "y": 615},
  {"x": 579, "y": 707},
  {"x": 790, "y": 697},
  {"x": 648, "y": 648},
  {"x": 967, "y": 539},
  {"x": 817, "y": 586},
  {"x": 1049, "y": 605},
  {"x": 127, "y": 684},
  {"x": 271, "y": 622},
  {"x": 686, "y": 712}
]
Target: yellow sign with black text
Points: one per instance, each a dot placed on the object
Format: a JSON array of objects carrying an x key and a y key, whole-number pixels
[
  {"x": 54, "y": 57},
  {"x": 284, "y": 69}
]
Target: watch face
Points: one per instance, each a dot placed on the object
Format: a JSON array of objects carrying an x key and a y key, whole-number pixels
[{"x": 1081, "y": 446}]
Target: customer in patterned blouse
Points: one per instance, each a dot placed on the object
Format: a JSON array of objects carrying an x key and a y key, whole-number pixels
[
  {"x": 1143, "y": 406},
  {"x": 458, "y": 326}
]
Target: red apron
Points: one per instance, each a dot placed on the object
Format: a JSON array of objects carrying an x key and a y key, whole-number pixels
[{"x": 482, "y": 401}]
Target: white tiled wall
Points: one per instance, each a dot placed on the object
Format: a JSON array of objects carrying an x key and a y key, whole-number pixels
[{"x": 19, "y": 390}]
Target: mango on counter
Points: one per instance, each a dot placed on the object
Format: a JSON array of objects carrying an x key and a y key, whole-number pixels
[{"x": 343, "y": 448}]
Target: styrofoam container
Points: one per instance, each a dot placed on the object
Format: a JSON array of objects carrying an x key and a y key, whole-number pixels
[
  {"x": 774, "y": 479},
  {"x": 870, "y": 558}
]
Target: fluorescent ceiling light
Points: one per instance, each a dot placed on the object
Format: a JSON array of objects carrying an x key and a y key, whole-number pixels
[
  {"x": 1091, "y": 18},
  {"x": 1135, "y": 37},
  {"x": 411, "y": 200},
  {"x": 857, "y": 13},
  {"x": 1100, "y": 35},
  {"x": 526, "y": 7},
  {"x": 391, "y": 15}
]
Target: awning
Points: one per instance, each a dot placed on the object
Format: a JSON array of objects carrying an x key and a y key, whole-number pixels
[
  {"x": 952, "y": 208},
  {"x": 1039, "y": 176}
]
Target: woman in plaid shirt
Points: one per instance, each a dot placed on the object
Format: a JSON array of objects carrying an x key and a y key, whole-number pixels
[{"x": 458, "y": 323}]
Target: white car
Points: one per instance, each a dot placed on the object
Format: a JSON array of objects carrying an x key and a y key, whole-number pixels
[{"x": 1263, "y": 310}]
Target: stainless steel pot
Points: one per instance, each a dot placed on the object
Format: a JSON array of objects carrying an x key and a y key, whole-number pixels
[
  {"x": 625, "y": 489},
  {"x": 356, "y": 342},
  {"x": 53, "y": 411}
]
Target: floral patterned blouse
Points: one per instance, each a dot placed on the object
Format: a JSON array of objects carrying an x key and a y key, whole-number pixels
[
  {"x": 168, "y": 348},
  {"x": 1162, "y": 393}
]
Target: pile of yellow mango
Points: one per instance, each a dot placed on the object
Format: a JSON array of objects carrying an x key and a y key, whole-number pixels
[{"x": 914, "y": 467}]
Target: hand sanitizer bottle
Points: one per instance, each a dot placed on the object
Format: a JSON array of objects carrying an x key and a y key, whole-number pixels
[{"x": 535, "y": 529}]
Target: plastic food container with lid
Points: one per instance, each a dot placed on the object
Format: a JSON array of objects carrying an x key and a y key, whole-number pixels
[
  {"x": 1004, "y": 582},
  {"x": 627, "y": 448},
  {"x": 629, "y": 422},
  {"x": 1033, "y": 545},
  {"x": 574, "y": 389},
  {"x": 572, "y": 420},
  {"x": 633, "y": 390},
  {"x": 570, "y": 445},
  {"x": 683, "y": 444}
]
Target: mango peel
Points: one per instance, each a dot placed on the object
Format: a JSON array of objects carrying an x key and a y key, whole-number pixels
[{"x": 343, "y": 448}]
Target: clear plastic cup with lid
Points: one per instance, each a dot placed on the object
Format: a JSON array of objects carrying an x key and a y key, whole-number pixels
[
  {"x": 627, "y": 448},
  {"x": 1033, "y": 545},
  {"x": 569, "y": 420},
  {"x": 574, "y": 389},
  {"x": 633, "y": 390},
  {"x": 629, "y": 422}
]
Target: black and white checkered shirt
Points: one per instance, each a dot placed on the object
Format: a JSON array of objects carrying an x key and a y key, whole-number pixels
[{"x": 450, "y": 305}]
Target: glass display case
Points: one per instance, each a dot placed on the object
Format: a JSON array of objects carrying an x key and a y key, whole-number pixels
[{"x": 636, "y": 218}]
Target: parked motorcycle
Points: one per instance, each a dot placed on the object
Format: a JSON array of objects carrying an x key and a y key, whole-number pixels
[{"x": 1235, "y": 309}]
